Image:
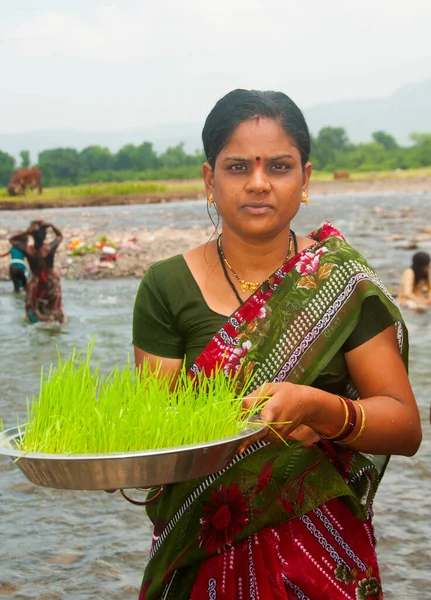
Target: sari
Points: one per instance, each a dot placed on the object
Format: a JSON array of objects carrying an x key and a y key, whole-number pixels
[
  {"x": 43, "y": 300},
  {"x": 289, "y": 521}
]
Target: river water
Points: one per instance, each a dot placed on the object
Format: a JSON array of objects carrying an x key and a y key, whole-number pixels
[{"x": 78, "y": 545}]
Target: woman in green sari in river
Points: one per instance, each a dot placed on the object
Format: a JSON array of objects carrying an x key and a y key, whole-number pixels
[{"x": 326, "y": 343}]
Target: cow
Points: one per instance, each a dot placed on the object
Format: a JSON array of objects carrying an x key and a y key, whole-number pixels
[
  {"x": 341, "y": 175},
  {"x": 23, "y": 179}
]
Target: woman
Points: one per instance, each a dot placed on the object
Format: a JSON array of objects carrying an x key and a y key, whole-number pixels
[
  {"x": 17, "y": 267},
  {"x": 317, "y": 328},
  {"x": 43, "y": 293},
  {"x": 415, "y": 285}
]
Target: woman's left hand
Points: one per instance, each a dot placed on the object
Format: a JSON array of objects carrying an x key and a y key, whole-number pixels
[{"x": 285, "y": 408}]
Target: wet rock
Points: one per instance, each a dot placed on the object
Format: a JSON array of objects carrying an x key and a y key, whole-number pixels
[
  {"x": 66, "y": 558},
  {"x": 24, "y": 488},
  {"x": 7, "y": 588},
  {"x": 409, "y": 246},
  {"x": 395, "y": 237},
  {"x": 412, "y": 245}
]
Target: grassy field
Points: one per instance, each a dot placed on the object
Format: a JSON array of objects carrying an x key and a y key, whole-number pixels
[
  {"x": 128, "y": 188},
  {"x": 180, "y": 188}
]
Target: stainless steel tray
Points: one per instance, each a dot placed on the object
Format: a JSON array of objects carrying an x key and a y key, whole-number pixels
[{"x": 126, "y": 470}]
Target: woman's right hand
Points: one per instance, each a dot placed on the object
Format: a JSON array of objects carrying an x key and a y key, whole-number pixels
[{"x": 285, "y": 409}]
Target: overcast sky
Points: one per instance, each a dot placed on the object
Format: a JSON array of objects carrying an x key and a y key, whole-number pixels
[{"x": 97, "y": 65}]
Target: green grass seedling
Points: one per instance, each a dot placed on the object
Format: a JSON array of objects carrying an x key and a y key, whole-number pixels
[{"x": 78, "y": 411}]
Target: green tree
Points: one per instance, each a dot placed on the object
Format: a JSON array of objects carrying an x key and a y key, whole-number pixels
[
  {"x": 335, "y": 137},
  {"x": 420, "y": 154},
  {"x": 144, "y": 157},
  {"x": 174, "y": 156},
  {"x": 95, "y": 158},
  {"x": 60, "y": 166},
  {"x": 363, "y": 157},
  {"x": 329, "y": 142},
  {"x": 385, "y": 139},
  {"x": 25, "y": 159},
  {"x": 7, "y": 167},
  {"x": 125, "y": 158}
]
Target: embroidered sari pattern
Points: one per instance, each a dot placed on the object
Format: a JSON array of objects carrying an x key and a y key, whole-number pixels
[{"x": 309, "y": 496}]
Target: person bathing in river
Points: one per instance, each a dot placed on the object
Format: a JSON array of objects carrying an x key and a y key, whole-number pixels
[
  {"x": 43, "y": 292},
  {"x": 415, "y": 288},
  {"x": 327, "y": 346},
  {"x": 17, "y": 266}
]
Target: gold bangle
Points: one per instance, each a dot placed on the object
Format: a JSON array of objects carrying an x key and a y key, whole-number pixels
[
  {"x": 361, "y": 430},
  {"x": 346, "y": 422}
]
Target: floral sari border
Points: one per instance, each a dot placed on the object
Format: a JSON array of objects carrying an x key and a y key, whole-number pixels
[{"x": 198, "y": 491}]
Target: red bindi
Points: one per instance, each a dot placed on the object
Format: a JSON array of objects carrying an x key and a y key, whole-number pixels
[
  {"x": 258, "y": 160},
  {"x": 257, "y": 119}
]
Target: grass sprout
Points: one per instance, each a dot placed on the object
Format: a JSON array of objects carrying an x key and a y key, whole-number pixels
[{"x": 78, "y": 411}]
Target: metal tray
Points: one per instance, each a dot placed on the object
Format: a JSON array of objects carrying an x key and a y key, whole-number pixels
[{"x": 126, "y": 470}]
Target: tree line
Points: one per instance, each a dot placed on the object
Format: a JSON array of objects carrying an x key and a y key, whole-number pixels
[{"x": 331, "y": 151}]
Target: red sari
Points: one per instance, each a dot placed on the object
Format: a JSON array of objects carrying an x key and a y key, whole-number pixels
[
  {"x": 43, "y": 300},
  {"x": 280, "y": 522},
  {"x": 326, "y": 553}
]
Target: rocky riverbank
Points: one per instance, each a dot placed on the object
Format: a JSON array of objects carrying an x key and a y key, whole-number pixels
[{"x": 86, "y": 254}]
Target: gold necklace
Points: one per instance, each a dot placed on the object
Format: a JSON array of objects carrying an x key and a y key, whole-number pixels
[{"x": 250, "y": 286}]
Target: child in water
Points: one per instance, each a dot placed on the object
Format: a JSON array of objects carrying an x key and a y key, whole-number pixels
[
  {"x": 415, "y": 285},
  {"x": 17, "y": 268}
]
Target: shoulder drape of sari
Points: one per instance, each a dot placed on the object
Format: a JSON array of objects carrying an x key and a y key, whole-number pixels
[{"x": 288, "y": 330}]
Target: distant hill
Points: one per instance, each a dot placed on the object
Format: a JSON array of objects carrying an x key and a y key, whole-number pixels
[
  {"x": 405, "y": 112},
  {"x": 162, "y": 137}
]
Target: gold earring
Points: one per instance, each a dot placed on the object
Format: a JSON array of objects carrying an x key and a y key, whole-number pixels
[
  {"x": 304, "y": 198},
  {"x": 210, "y": 199}
]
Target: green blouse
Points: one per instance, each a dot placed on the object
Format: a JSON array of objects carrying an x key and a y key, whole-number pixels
[{"x": 172, "y": 320}]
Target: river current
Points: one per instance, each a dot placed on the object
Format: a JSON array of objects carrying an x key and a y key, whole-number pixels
[{"x": 89, "y": 545}]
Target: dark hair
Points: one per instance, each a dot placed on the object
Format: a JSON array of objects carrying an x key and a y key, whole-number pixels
[
  {"x": 242, "y": 105},
  {"x": 419, "y": 261},
  {"x": 38, "y": 235}
]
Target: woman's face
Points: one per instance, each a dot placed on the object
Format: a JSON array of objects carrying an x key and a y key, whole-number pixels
[{"x": 258, "y": 179}]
